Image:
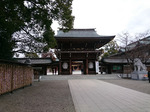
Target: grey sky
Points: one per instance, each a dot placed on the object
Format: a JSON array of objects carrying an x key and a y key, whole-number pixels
[{"x": 111, "y": 17}]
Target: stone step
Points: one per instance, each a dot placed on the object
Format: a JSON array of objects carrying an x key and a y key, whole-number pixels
[{"x": 68, "y": 77}]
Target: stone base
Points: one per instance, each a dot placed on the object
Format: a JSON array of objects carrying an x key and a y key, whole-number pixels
[{"x": 139, "y": 75}]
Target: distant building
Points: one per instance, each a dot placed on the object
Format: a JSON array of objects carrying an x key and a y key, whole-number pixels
[
  {"x": 77, "y": 50},
  {"x": 118, "y": 63}
]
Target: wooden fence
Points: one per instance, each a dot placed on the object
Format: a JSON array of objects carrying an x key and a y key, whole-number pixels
[{"x": 14, "y": 76}]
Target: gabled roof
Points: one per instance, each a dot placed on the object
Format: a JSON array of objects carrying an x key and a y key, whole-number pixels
[{"x": 79, "y": 33}]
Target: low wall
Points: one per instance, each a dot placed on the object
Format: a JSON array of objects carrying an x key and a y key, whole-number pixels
[{"x": 14, "y": 76}]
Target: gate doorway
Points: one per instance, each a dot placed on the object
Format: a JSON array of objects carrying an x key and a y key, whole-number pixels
[{"x": 77, "y": 67}]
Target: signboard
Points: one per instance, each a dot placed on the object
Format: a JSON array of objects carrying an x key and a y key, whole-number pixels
[
  {"x": 91, "y": 65},
  {"x": 97, "y": 66},
  {"x": 115, "y": 67}
]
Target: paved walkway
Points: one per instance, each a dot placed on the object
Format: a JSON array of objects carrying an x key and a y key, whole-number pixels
[{"x": 100, "y": 96}]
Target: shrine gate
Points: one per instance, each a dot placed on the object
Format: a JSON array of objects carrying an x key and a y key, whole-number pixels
[{"x": 78, "y": 49}]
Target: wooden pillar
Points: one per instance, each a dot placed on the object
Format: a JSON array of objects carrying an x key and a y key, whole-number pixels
[
  {"x": 44, "y": 69},
  {"x": 59, "y": 69},
  {"x": 87, "y": 71},
  {"x": 86, "y": 64},
  {"x": 70, "y": 64},
  {"x": 109, "y": 69},
  {"x": 70, "y": 67}
]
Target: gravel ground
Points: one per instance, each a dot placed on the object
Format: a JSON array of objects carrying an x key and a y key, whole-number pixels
[
  {"x": 142, "y": 86},
  {"x": 54, "y": 96},
  {"x": 45, "y": 96}
]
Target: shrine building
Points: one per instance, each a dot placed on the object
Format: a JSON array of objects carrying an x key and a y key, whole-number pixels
[{"x": 78, "y": 49}]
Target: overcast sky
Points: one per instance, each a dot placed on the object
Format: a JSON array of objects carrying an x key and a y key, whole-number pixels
[{"x": 111, "y": 17}]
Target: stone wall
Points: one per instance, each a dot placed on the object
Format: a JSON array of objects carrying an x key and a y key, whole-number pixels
[{"x": 14, "y": 75}]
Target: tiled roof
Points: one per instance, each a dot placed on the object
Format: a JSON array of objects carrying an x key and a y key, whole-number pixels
[
  {"x": 79, "y": 33},
  {"x": 35, "y": 61},
  {"x": 123, "y": 60},
  {"x": 115, "y": 60},
  {"x": 144, "y": 41}
]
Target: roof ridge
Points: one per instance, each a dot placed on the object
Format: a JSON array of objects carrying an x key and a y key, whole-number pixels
[{"x": 84, "y": 29}]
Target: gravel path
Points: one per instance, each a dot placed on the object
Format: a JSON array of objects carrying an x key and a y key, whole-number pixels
[
  {"x": 142, "y": 86},
  {"x": 45, "y": 96},
  {"x": 54, "y": 96}
]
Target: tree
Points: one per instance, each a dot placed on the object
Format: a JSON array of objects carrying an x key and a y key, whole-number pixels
[
  {"x": 111, "y": 48},
  {"x": 31, "y": 55},
  {"x": 124, "y": 40},
  {"x": 25, "y": 25},
  {"x": 138, "y": 48}
]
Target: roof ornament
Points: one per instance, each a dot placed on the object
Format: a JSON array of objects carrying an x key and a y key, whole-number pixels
[
  {"x": 27, "y": 61},
  {"x": 138, "y": 65}
]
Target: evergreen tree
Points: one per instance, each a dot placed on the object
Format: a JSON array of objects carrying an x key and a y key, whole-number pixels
[
  {"x": 25, "y": 25},
  {"x": 111, "y": 48}
]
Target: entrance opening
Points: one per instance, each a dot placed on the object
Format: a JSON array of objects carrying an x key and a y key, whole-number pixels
[
  {"x": 52, "y": 70},
  {"x": 77, "y": 67}
]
